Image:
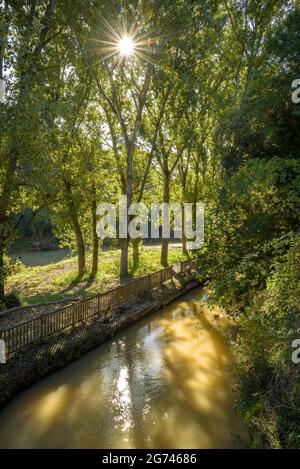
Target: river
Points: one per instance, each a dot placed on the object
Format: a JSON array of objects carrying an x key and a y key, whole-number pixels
[{"x": 162, "y": 383}]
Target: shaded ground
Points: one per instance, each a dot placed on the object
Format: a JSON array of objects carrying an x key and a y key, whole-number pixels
[
  {"x": 32, "y": 258},
  {"x": 40, "y": 258},
  {"x": 59, "y": 280}
]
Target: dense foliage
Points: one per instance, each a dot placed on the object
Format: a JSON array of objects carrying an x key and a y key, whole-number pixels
[{"x": 252, "y": 251}]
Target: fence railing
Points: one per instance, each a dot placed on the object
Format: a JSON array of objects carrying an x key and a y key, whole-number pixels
[{"x": 99, "y": 305}]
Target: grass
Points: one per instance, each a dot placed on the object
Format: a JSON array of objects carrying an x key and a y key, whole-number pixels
[{"x": 59, "y": 280}]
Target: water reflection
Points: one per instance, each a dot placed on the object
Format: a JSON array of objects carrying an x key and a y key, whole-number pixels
[{"x": 162, "y": 383}]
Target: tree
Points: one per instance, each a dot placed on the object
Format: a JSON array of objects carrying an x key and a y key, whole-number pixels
[{"x": 32, "y": 29}]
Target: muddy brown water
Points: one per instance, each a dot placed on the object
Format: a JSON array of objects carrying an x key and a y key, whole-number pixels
[{"x": 162, "y": 383}]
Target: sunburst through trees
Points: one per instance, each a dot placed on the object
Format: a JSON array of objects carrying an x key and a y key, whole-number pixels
[{"x": 123, "y": 42}]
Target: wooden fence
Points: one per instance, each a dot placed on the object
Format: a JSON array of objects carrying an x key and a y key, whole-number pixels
[{"x": 98, "y": 306}]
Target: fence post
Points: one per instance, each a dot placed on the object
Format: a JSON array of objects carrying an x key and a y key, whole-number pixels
[
  {"x": 42, "y": 328},
  {"x": 74, "y": 308}
]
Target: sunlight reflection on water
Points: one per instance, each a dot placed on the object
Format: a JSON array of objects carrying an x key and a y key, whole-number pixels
[{"x": 162, "y": 383}]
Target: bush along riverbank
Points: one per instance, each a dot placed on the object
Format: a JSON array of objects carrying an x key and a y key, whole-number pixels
[
  {"x": 252, "y": 241},
  {"x": 269, "y": 378},
  {"x": 252, "y": 256}
]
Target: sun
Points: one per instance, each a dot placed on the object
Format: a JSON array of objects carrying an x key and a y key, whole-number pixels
[
  {"x": 126, "y": 46},
  {"x": 123, "y": 42}
]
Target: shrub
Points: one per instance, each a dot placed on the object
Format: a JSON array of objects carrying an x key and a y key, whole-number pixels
[
  {"x": 252, "y": 258},
  {"x": 12, "y": 300},
  {"x": 12, "y": 266},
  {"x": 269, "y": 380}
]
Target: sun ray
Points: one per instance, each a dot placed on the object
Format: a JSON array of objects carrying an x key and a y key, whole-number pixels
[
  {"x": 133, "y": 30},
  {"x": 144, "y": 57},
  {"x": 124, "y": 42},
  {"x": 111, "y": 29}
]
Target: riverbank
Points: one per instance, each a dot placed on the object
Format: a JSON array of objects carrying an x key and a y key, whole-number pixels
[{"x": 33, "y": 363}]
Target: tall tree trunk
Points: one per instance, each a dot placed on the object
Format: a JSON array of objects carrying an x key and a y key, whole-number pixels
[
  {"x": 183, "y": 240},
  {"x": 125, "y": 242},
  {"x": 76, "y": 228},
  {"x": 2, "y": 290},
  {"x": 130, "y": 143},
  {"x": 124, "y": 258},
  {"x": 165, "y": 241},
  {"x": 95, "y": 236},
  {"x": 135, "y": 252},
  {"x": 5, "y": 200},
  {"x": 184, "y": 246}
]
